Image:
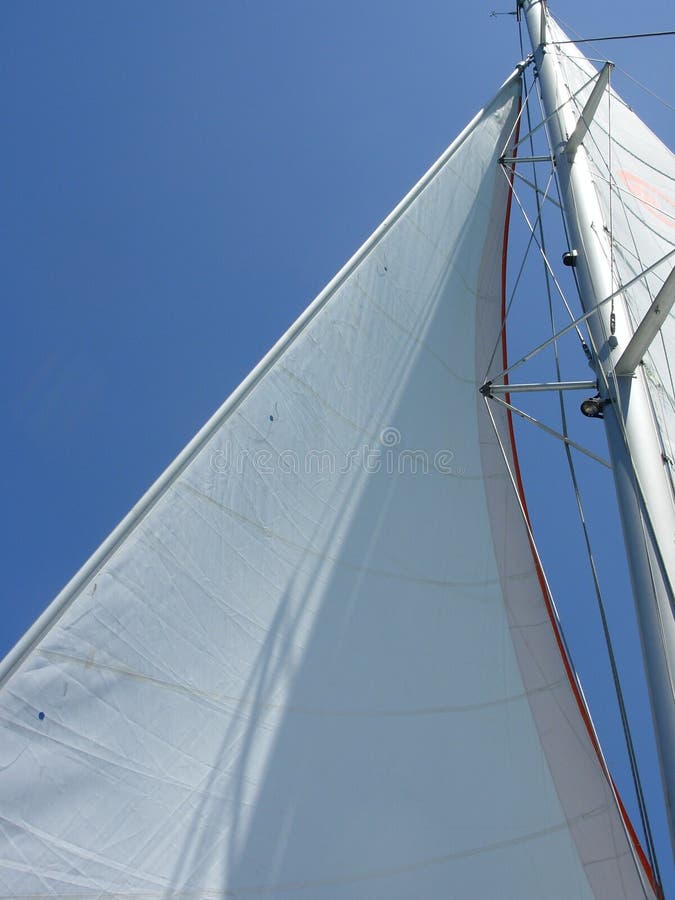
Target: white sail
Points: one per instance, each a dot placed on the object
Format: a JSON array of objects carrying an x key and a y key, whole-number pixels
[
  {"x": 634, "y": 174},
  {"x": 317, "y": 660}
]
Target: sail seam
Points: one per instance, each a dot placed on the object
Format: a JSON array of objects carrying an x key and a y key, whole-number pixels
[
  {"x": 356, "y": 877},
  {"x": 222, "y": 701}
]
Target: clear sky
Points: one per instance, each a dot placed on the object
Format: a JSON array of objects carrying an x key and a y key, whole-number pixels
[{"x": 178, "y": 181}]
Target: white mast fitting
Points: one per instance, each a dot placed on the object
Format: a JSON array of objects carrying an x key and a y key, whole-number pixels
[
  {"x": 643, "y": 488},
  {"x": 648, "y": 328}
]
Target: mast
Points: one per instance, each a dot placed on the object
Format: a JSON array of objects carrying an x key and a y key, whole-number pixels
[{"x": 643, "y": 490}]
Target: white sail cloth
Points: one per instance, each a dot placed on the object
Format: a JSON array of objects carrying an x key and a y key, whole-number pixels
[
  {"x": 318, "y": 660},
  {"x": 634, "y": 174}
]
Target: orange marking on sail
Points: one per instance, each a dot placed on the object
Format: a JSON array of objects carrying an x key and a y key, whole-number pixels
[{"x": 659, "y": 204}]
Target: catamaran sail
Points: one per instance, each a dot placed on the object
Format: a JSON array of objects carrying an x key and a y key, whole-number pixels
[{"x": 319, "y": 658}]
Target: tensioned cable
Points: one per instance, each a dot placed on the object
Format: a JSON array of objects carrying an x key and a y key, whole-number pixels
[
  {"x": 573, "y": 673},
  {"x": 639, "y": 793},
  {"x": 622, "y": 191},
  {"x": 544, "y": 117},
  {"x": 615, "y": 37},
  {"x": 571, "y": 30},
  {"x": 615, "y": 274},
  {"x": 542, "y": 251},
  {"x": 574, "y": 323},
  {"x": 532, "y": 238},
  {"x": 614, "y": 189},
  {"x": 604, "y": 377},
  {"x": 645, "y": 88},
  {"x": 582, "y": 318},
  {"x": 564, "y": 439},
  {"x": 530, "y": 184},
  {"x": 614, "y": 279},
  {"x": 618, "y": 690},
  {"x": 630, "y": 747}
]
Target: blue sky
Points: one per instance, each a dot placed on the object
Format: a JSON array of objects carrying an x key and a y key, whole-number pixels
[{"x": 178, "y": 181}]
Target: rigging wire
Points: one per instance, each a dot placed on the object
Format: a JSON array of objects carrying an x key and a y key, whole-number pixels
[
  {"x": 615, "y": 37},
  {"x": 656, "y": 563},
  {"x": 537, "y": 224},
  {"x": 662, "y": 424},
  {"x": 644, "y": 87},
  {"x": 613, "y": 277},
  {"x": 571, "y": 30},
  {"x": 532, "y": 239},
  {"x": 563, "y": 438},
  {"x": 530, "y": 184},
  {"x": 630, "y": 747},
  {"x": 604, "y": 378},
  {"x": 574, "y": 677},
  {"x": 511, "y": 168},
  {"x": 665, "y": 440},
  {"x": 582, "y": 318}
]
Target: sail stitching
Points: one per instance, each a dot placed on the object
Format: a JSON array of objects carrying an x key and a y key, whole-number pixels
[
  {"x": 219, "y": 700},
  {"x": 59, "y": 605}
]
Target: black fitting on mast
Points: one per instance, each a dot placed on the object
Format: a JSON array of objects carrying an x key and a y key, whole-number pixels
[{"x": 593, "y": 407}]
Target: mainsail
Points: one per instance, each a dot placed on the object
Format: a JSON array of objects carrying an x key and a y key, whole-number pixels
[
  {"x": 634, "y": 174},
  {"x": 319, "y": 658}
]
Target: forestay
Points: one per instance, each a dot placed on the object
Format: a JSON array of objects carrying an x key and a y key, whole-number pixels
[{"x": 317, "y": 659}]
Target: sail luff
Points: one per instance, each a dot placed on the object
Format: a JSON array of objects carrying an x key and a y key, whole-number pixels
[{"x": 644, "y": 494}]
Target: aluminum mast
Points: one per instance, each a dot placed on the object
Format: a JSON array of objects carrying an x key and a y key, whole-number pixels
[{"x": 643, "y": 490}]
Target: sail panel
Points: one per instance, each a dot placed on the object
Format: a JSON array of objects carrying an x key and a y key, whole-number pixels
[
  {"x": 321, "y": 663},
  {"x": 634, "y": 174}
]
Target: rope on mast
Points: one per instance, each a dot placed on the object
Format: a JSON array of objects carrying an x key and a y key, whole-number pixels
[{"x": 615, "y": 37}]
